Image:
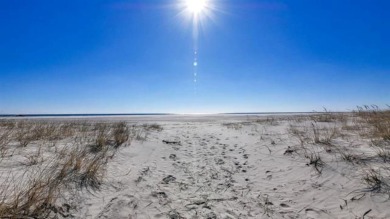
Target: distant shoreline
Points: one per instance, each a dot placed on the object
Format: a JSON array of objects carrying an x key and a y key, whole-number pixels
[{"x": 151, "y": 114}]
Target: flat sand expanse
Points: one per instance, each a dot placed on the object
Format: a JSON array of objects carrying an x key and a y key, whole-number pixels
[{"x": 231, "y": 166}]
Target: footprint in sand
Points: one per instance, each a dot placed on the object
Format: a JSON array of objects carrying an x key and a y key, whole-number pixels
[
  {"x": 168, "y": 179},
  {"x": 284, "y": 205},
  {"x": 173, "y": 157},
  {"x": 314, "y": 214},
  {"x": 119, "y": 207},
  {"x": 220, "y": 162}
]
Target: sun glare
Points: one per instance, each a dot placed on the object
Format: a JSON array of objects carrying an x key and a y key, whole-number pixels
[
  {"x": 198, "y": 12},
  {"x": 196, "y": 6}
]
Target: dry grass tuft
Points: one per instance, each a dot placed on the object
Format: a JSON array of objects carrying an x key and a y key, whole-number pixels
[
  {"x": 267, "y": 121},
  {"x": 23, "y": 133},
  {"x": 152, "y": 127},
  {"x": 101, "y": 137},
  {"x": 324, "y": 134},
  {"x": 235, "y": 126},
  {"x": 315, "y": 134},
  {"x": 300, "y": 133},
  {"x": 378, "y": 121},
  {"x": 34, "y": 159},
  {"x": 121, "y": 133},
  {"x": 349, "y": 157},
  {"x": 72, "y": 167},
  {"x": 382, "y": 149},
  {"x": 376, "y": 182},
  {"x": 31, "y": 195},
  {"x": 5, "y": 139},
  {"x": 328, "y": 116},
  {"x": 316, "y": 161},
  {"x": 38, "y": 195},
  {"x": 91, "y": 174}
]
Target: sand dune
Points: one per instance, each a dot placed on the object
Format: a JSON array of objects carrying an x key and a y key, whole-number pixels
[{"x": 228, "y": 167}]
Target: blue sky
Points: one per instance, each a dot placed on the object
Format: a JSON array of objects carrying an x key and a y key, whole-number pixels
[{"x": 108, "y": 56}]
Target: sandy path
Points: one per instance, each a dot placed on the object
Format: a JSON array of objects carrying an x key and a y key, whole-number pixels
[{"x": 221, "y": 172}]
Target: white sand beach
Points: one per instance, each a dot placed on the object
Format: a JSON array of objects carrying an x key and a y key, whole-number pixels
[{"x": 204, "y": 166}]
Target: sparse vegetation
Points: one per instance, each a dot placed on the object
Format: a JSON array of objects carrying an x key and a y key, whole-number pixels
[
  {"x": 59, "y": 158},
  {"x": 235, "y": 126},
  {"x": 36, "y": 193},
  {"x": 376, "y": 182},
  {"x": 5, "y": 139},
  {"x": 382, "y": 149},
  {"x": 376, "y": 120},
  {"x": 315, "y": 133},
  {"x": 100, "y": 138},
  {"x": 267, "y": 121},
  {"x": 326, "y": 116},
  {"x": 152, "y": 127},
  {"x": 369, "y": 122},
  {"x": 316, "y": 161},
  {"x": 266, "y": 205},
  {"x": 121, "y": 133},
  {"x": 349, "y": 157},
  {"x": 324, "y": 134}
]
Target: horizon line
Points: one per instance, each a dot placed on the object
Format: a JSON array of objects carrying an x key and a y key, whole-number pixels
[{"x": 157, "y": 114}]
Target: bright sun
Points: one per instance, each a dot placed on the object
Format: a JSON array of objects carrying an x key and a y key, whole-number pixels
[{"x": 196, "y": 6}]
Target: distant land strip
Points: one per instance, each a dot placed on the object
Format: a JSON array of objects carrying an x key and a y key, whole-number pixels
[{"x": 152, "y": 114}]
